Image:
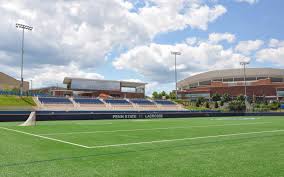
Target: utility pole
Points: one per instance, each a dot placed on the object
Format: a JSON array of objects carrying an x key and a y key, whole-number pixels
[
  {"x": 175, "y": 54},
  {"x": 23, "y": 27},
  {"x": 244, "y": 64}
]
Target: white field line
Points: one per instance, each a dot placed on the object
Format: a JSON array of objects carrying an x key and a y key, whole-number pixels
[
  {"x": 138, "y": 143},
  {"x": 93, "y": 124},
  {"x": 145, "y": 129},
  {"x": 183, "y": 139},
  {"x": 44, "y": 137}
]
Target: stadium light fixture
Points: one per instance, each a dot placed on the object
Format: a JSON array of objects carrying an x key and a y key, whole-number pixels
[
  {"x": 244, "y": 63},
  {"x": 23, "y": 27},
  {"x": 175, "y": 54}
]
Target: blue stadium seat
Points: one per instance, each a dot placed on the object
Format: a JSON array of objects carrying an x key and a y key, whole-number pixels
[
  {"x": 87, "y": 101},
  {"x": 164, "y": 102},
  {"x": 142, "y": 102},
  {"x": 54, "y": 100},
  {"x": 117, "y": 101}
]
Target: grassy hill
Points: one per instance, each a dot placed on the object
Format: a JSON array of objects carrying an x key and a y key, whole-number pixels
[{"x": 16, "y": 101}]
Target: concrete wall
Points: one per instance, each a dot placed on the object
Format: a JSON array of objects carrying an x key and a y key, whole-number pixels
[{"x": 9, "y": 116}]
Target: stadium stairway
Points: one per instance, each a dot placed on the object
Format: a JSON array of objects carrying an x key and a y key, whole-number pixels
[
  {"x": 76, "y": 106},
  {"x": 37, "y": 102},
  {"x": 135, "y": 107},
  {"x": 107, "y": 105}
]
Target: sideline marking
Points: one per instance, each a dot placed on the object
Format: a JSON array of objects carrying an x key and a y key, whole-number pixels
[
  {"x": 183, "y": 139},
  {"x": 143, "y": 129},
  {"x": 238, "y": 118},
  {"x": 44, "y": 137}
]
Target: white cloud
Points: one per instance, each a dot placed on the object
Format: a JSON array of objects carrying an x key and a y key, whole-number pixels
[
  {"x": 72, "y": 32},
  {"x": 155, "y": 62},
  {"x": 248, "y": 1},
  {"x": 217, "y": 37},
  {"x": 246, "y": 47},
  {"x": 49, "y": 75},
  {"x": 275, "y": 43},
  {"x": 191, "y": 40},
  {"x": 271, "y": 55}
]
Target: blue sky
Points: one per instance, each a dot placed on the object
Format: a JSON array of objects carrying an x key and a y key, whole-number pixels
[{"x": 132, "y": 40}]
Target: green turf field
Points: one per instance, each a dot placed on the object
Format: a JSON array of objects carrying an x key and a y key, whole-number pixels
[{"x": 231, "y": 146}]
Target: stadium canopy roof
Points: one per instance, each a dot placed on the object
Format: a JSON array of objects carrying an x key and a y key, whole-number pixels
[{"x": 68, "y": 80}]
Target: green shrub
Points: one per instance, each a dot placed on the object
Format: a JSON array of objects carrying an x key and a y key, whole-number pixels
[
  {"x": 274, "y": 106},
  {"x": 240, "y": 98},
  {"x": 226, "y": 98},
  {"x": 197, "y": 104},
  {"x": 216, "y": 105},
  {"x": 216, "y": 97},
  {"x": 237, "y": 106},
  {"x": 207, "y": 104}
]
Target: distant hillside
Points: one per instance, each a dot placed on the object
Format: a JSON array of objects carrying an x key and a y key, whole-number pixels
[{"x": 6, "y": 101}]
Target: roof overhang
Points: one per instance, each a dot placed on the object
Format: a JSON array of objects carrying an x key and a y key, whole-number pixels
[{"x": 68, "y": 80}]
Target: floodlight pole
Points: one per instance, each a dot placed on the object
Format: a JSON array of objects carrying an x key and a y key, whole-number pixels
[
  {"x": 24, "y": 27},
  {"x": 244, "y": 64},
  {"x": 175, "y": 54}
]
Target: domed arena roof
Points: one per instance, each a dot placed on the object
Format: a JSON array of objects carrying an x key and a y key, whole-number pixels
[{"x": 232, "y": 74}]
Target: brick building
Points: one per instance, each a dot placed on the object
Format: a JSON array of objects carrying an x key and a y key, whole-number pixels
[{"x": 260, "y": 82}]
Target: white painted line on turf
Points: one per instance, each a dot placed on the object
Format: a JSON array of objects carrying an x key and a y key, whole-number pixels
[
  {"x": 143, "y": 129},
  {"x": 238, "y": 118},
  {"x": 44, "y": 137},
  {"x": 93, "y": 124},
  {"x": 183, "y": 139}
]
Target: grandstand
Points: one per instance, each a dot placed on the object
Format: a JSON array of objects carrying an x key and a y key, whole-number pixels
[
  {"x": 77, "y": 103},
  {"x": 119, "y": 104},
  {"x": 164, "y": 102},
  {"x": 54, "y": 103},
  {"x": 54, "y": 100},
  {"x": 144, "y": 104},
  {"x": 89, "y": 104},
  {"x": 167, "y": 105}
]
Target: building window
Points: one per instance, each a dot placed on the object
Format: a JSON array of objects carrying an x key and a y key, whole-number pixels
[
  {"x": 217, "y": 80},
  {"x": 228, "y": 80},
  {"x": 275, "y": 79},
  {"x": 280, "y": 93},
  {"x": 205, "y": 83},
  {"x": 239, "y": 79},
  {"x": 259, "y": 78},
  {"x": 197, "y": 95}
]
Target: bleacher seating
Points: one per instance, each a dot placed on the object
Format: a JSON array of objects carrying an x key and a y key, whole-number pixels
[
  {"x": 164, "y": 102},
  {"x": 117, "y": 101},
  {"x": 86, "y": 104},
  {"x": 3, "y": 92},
  {"x": 142, "y": 102},
  {"x": 88, "y": 101},
  {"x": 54, "y": 100}
]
